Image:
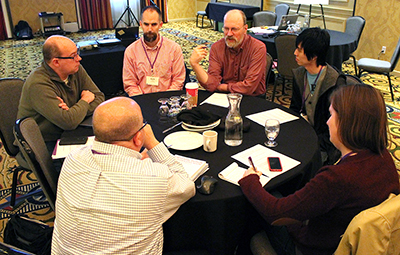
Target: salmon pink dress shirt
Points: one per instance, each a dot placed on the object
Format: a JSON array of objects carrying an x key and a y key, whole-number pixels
[{"x": 168, "y": 66}]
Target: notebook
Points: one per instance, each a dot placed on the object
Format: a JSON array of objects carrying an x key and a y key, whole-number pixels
[{"x": 287, "y": 19}]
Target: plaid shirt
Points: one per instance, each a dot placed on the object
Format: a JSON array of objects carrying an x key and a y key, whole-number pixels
[{"x": 110, "y": 201}]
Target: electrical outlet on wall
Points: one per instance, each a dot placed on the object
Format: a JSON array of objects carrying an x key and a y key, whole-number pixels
[{"x": 383, "y": 49}]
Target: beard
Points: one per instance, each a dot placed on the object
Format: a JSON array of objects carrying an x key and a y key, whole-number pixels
[
  {"x": 150, "y": 36},
  {"x": 232, "y": 42}
]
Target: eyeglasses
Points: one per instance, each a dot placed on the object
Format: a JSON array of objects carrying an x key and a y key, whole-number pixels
[
  {"x": 233, "y": 29},
  {"x": 144, "y": 124},
  {"x": 74, "y": 56}
]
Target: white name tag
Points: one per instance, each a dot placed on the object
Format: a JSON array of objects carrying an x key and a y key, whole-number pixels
[{"x": 151, "y": 80}]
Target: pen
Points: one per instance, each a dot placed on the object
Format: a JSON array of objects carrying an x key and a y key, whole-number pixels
[{"x": 252, "y": 164}]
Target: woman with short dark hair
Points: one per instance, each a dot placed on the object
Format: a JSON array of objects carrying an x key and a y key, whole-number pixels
[{"x": 363, "y": 177}]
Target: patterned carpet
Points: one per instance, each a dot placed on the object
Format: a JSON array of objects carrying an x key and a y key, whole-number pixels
[{"x": 18, "y": 58}]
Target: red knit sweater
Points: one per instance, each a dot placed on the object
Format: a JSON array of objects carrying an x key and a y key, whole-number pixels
[{"x": 330, "y": 200}]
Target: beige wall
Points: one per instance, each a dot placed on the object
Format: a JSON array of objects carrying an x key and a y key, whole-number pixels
[
  {"x": 181, "y": 9},
  {"x": 381, "y": 28},
  {"x": 28, "y": 10}
]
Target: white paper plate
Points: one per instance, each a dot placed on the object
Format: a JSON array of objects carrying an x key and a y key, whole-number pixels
[
  {"x": 184, "y": 140},
  {"x": 212, "y": 125}
]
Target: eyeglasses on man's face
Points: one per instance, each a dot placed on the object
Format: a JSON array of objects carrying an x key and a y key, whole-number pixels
[
  {"x": 74, "y": 56},
  {"x": 144, "y": 124},
  {"x": 233, "y": 29}
]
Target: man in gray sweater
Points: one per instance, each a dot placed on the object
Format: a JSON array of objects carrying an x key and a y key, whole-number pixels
[{"x": 59, "y": 94}]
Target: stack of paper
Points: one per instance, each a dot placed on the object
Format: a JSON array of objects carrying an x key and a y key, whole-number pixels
[{"x": 194, "y": 167}]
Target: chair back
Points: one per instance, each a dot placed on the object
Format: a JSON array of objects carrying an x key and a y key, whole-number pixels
[
  {"x": 264, "y": 18},
  {"x": 268, "y": 67},
  {"x": 395, "y": 56},
  {"x": 374, "y": 229},
  {"x": 33, "y": 148},
  {"x": 285, "y": 47},
  {"x": 10, "y": 93},
  {"x": 280, "y": 10},
  {"x": 354, "y": 26},
  {"x": 352, "y": 80}
]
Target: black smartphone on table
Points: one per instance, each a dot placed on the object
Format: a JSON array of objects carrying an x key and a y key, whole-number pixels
[{"x": 274, "y": 164}]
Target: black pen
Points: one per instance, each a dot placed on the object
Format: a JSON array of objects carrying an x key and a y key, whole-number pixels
[{"x": 252, "y": 164}]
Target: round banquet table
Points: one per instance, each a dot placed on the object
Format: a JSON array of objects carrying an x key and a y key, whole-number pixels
[
  {"x": 341, "y": 46},
  {"x": 215, "y": 222}
]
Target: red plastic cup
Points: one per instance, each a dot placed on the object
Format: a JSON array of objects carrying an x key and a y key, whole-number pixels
[{"x": 192, "y": 89}]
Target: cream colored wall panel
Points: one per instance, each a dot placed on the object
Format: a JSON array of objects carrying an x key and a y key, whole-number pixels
[
  {"x": 28, "y": 10},
  {"x": 181, "y": 9},
  {"x": 247, "y": 2},
  {"x": 381, "y": 28},
  {"x": 201, "y": 5}
]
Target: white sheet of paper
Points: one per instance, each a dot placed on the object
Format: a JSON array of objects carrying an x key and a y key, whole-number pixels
[
  {"x": 218, "y": 99},
  {"x": 233, "y": 173},
  {"x": 260, "y": 30},
  {"x": 62, "y": 151},
  {"x": 260, "y": 154},
  {"x": 276, "y": 113}
]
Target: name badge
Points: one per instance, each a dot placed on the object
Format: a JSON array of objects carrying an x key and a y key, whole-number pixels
[{"x": 151, "y": 80}]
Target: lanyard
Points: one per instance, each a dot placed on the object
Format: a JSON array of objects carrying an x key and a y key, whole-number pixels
[
  {"x": 345, "y": 156},
  {"x": 155, "y": 59},
  {"x": 312, "y": 88}
]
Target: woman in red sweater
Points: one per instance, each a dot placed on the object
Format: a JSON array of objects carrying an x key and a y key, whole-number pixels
[{"x": 364, "y": 176}]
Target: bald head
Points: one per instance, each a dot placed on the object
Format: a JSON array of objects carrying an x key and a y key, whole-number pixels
[
  {"x": 117, "y": 119},
  {"x": 236, "y": 15},
  {"x": 54, "y": 46}
]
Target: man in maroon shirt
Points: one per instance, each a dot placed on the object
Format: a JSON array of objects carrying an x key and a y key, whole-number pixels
[{"x": 237, "y": 62}]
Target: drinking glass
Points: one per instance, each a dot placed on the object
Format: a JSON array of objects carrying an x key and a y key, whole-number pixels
[
  {"x": 175, "y": 107},
  {"x": 185, "y": 104},
  {"x": 163, "y": 110},
  {"x": 272, "y": 127}
]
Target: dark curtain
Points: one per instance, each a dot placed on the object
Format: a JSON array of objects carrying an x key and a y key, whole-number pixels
[
  {"x": 162, "y": 4},
  {"x": 95, "y": 14},
  {"x": 3, "y": 31}
]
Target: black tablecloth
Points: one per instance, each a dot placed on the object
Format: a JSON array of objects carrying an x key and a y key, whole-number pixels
[
  {"x": 216, "y": 11},
  {"x": 215, "y": 222},
  {"x": 104, "y": 66},
  {"x": 341, "y": 45}
]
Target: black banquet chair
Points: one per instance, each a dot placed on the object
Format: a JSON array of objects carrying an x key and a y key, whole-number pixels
[
  {"x": 371, "y": 65},
  {"x": 354, "y": 26},
  {"x": 33, "y": 148},
  {"x": 285, "y": 47},
  {"x": 264, "y": 18},
  {"x": 10, "y": 93}
]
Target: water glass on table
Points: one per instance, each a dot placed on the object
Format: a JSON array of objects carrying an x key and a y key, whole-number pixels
[
  {"x": 163, "y": 110},
  {"x": 272, "y": 127}
]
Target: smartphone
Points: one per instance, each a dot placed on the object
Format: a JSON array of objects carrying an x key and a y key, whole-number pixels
[
  {"x": 274, "y": 164},
  {"x": 73, "y": 140}
]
